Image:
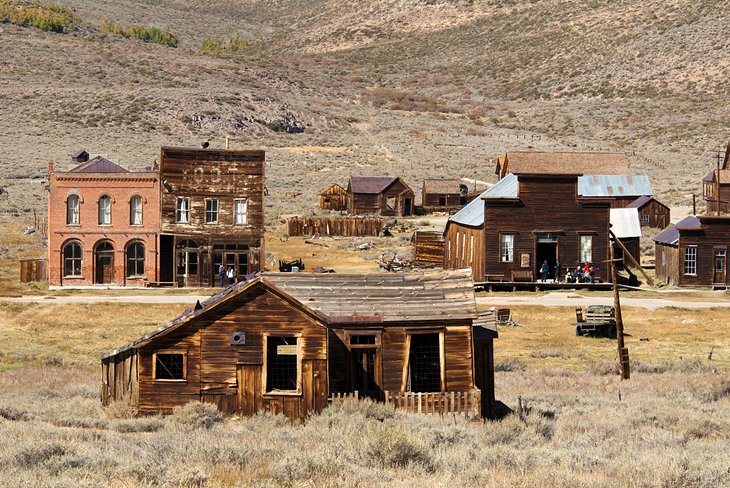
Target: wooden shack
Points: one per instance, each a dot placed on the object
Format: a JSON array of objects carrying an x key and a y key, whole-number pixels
[
  {"x": 212, "y": 214},
  {"x": 652, "y": 212},
  {"x": 694, "y": 252},
  {"x": 441, "y": 195},
  {"x": 385, "y": 196},
  {"x": 428, "y": 247},
  {"x": 288, "y": 342},
  {"x": 334, "y": 197},
  {"x": 627, "y": 229}
]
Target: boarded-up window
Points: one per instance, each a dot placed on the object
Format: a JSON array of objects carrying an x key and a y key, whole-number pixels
[
  {"x": 281, "y": 364},
  {"x": 211, "y": 211},
  {"x": 72, "y": 259},
  {"x": 135, "y": 260},
  {"x": 586, "y": 248},
  {"x": 425, "y": 363},
  {"x": 390, "y": 203},
  {"x": 506, "y": 248},
  {"x": 135, "y": 210},
  {"x": 105, "y": 210},
  {"x": 183, "y": 210},
  {"x": 169, "y": 366},
  {"x": 241, "y": 212},
  {"x": 72, "y": 210},
  {"x": 690, "y": 260}
]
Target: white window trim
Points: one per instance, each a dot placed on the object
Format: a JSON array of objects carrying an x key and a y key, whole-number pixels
[
  {"x": 501, "y": 248},
  {"x": 133, "y": 213},
  {"x": 694, "y": 261},
  {"x": 581, "y": 257},
  {"x": 109, "y": 213},
  {"x": 178, "y": 211},
  {"x": 217, "y": 210},
  {"x": 236, "y": 214}
]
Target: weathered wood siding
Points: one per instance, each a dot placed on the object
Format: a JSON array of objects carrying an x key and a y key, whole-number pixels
[
  {"x": 633, "y": 246},
  {"x": 714, "y": 235},
  {"x": 335, "y": 226},
  {"x": 333, "y": 198},
  {"x": 545, "y": 206},
  {"x": 666, "y": 262},
  {"x": 464, "y": 248},
  {"x": 120, "y": 378},
  {"x": 431, "y": 202},
  {"x": 33, "y": 270},
  {"x": 376, "y": 204},
  {"x": 225, "y": 175},
  {"x": 654, "y": 214},
  {"x": 428, "y": 247}
]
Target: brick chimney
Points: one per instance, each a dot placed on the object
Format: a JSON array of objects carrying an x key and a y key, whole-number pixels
[{"x": 50, "y": 167}]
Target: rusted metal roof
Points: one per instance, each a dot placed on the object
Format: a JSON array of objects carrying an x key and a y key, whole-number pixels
[
  {"x": 350, "y": 298},
  {"x": 98, "y": 164},
  {"x": 442, "y": 187},
  {"x": 567, "y": 163},
  {"x": 603, "y": 185},
  {"x": 370, "y": 184}
]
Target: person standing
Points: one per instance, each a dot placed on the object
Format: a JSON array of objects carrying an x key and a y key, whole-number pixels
[
  {"x": 222, "y": 275},
  {"x": 544, "y": 271},
  {"x": 557, "y": 271},
  {"x": 231, "y": 275}
]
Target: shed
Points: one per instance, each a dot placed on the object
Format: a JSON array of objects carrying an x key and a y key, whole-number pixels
[
  {"x": 334, "y": 197},
  {"x": 441, "y": 195},
  {"x": 388, "y": 196},
  {"x": 625, "y": 226},
  {"x": 80, "y": 156},
  {"x": 652, "y": 212},
  {"x": 286, "y": 343}
]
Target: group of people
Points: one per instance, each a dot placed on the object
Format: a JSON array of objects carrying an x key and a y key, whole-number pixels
[
  {"x": 227, "y": 276},
  {"x": 581, "y": 274}
]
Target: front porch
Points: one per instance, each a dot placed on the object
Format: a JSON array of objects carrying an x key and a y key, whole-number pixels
[{"x": 462, "y": 404}]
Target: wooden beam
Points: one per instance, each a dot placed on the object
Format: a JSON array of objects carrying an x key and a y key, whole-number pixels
[
  {"x": 631, "y": 258},
  {"x": 622, "y": 351}
]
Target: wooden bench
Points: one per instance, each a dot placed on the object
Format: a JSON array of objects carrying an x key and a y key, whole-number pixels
[
  {"x": 496, "y": 277},
  {"x": 522, "y": 276}
]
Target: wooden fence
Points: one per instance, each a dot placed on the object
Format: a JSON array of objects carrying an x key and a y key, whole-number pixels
[
  {"x": 33, "y": 270},
  {"x": 461, "y": 403},
  {"x": 428, "y": 247},
  {"x": 335, "y": 226}
]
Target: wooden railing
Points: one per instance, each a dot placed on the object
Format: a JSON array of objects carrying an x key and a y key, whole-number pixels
[{"x": 466, "y": 403}]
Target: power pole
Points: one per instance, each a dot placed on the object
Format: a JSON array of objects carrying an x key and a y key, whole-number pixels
[
  {"x": 623, "y": 352},
  {"x": 717, "y": 184}
]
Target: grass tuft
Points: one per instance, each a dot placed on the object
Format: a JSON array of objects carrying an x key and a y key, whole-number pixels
[
  {"x": 143, "y": 33},
  {"x": 44, "y": 16},
  {"x": 231, "y": 45}
]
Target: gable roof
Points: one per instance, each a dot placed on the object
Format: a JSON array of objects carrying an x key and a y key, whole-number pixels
[
  {"x": 370, "y": 184},
  {"x": 625, "y": 223},
  {"x": 78, "y": 153},
  {"x": 98, "y": 164},
  {"x": 724, "y": 176},
  {"x": 472, "y": 214},
  {"x": 332, "y": 189},
  {"x": 442, "y": 186},
  {"x": 567, "y": 163},
  {"x": 670, "y": 235},
  {"x": 349, "y": 298},
  {"x": 602, "y": 185}
]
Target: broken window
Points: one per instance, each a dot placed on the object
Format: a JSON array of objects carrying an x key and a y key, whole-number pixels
[
  {"x": 169, "y": 366},
  {"x": 644, "y": 218},
  {"x": 72, "y": 259},
  {"x": 281, "y": 364},
  {"x": 211, "y": 211},
  {"x": 72, "y": 210},
  {"x": 425, "y": 363},
  {"x": 183, "y": 210},
  {"x": 442, "y": 201}
]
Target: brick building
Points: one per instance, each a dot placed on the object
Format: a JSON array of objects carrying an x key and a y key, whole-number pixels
[{"x": 103, "y": 223}]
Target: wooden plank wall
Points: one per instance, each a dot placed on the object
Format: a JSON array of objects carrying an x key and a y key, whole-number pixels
[
  {"x": 428, "y": 247},
  {"x": 464, "y": 248},
  {"x": 119, "y": 378},
  {"x": 33, "y": 270},
  {"x": 333, "y": 198},
  {"x": 659, "y": 215},
  {"x": 712, "y": 235},
  {"x": 666, "y": 262},
  {"x": 430, "y": 202},
  {"x": 335, "y": 226}
]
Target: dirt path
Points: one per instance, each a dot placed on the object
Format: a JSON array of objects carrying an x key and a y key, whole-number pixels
[{"x": 562, "y": 299}]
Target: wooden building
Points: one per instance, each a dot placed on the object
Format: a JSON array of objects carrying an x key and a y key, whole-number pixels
[
  {"x": 212, "y": 214},
  {"x": 441, "y": 195},
  {"x": 693, "y": 252},
  {"x": 285, "y": 343},
  {"x": 428, "y": 247},
  {"x": 386, "y": 196},
  {"x": 103, "y": 223},
  {"x": 334, "y": 197},
  {"x": 652, "y": 212},
  {"x": 627, "y": 229},
  {"x": 718, "y": 180},
  {"x": 577, "y": 163}
]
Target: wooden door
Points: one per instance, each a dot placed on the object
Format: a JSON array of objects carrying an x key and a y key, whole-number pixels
[
  {"x": 720, "y": 275},
  {"x": 364, "y": 372},
  {"x": 407, "y": 203},
  {"x": 104, "y": 268},
  {"x": 249, "y": 389}
]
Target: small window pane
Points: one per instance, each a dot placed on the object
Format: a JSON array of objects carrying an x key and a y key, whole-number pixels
[
  {"x": 281, "y": 363},
  {"x": 241, "y": 212},
  {"x": 169, "y": 367},
  {"x": 507, "y": 247},
  {"x": 211, "y": 211},
  {"x": 362, "y": 339},
  {"x": 690, "y": 260},
  {"x": 586, "y": 248}
]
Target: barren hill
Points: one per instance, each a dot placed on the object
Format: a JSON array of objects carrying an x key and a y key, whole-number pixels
[{"x": 419, "y": 88}]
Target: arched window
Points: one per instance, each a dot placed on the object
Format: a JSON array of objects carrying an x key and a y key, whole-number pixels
[
  {"x": 105, "y": 210},
  {"x": 135, "y": 210},
  {"x": 72, "y": 210},
  {"x": 135, "y": 260},
  {"x": 72, "y": 260}
]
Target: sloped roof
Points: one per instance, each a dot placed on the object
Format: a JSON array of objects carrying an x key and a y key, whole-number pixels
[
  {"x": 567, "y": 163},
  {"x": 78, "y": 153},
  {"x": 370, "y": 184},
  {"x": 334, "y": 188},
  {"x": 98, "y": 164},
  {"x": 603, "y": 185},
  {"x": 625, "y": 222},
  {"x": 640, "y": 202},
  {"x": 444, "y": 186},
  {"x": 350, "y": 298},
  {"x": 472, "y": 214},
  {"x": 724, "y": 176},
  {"x": 670, "y": 235}
]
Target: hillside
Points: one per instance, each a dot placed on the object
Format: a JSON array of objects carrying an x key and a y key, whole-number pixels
[{"x": 419, "y": 88}]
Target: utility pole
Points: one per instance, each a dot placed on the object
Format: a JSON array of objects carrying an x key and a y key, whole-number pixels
[
  {"x": 623, "y": 352},
  {"x": 717, "y": 183}
]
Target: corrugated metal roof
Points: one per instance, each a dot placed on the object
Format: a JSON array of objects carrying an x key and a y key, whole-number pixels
[
  {"x": 472, "y": 214},
  {"x": 600, "y": 185},
  {"x": 625, "y": 222}
]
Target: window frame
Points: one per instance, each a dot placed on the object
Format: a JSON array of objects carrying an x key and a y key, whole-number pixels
[
  {"x": 133, "y": 212},
  {"x": 406, "y": 373},
  {"x": 179, "y": 211},
  {"x": 211, "y": 212},
  {"x": 77, "y": 213},
  {"x": 136, "y": 259},
  {"x": 502, "y": 237},
  {"x": 80, "y": 259},
  {"x": 101, "y": 213},
  {"x": 265, "y": 365},
  {"x": 693, "y": 260},
  {"x": 644, "y": 218},
  {"x": 236, "y": 213},
  {"x": 183, "y": 353},
  {"x": 581, "y": 257}
]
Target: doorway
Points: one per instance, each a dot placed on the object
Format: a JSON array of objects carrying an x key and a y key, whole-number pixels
[
  {"x": 365, "y": 365},
  {"x": 104, "y": 263},
  {"x": 186, "y": 259},
  {"x": 720, "y": 275},
  {"x": 407, "y": 204},
  {"x": 546, "y": 249}
]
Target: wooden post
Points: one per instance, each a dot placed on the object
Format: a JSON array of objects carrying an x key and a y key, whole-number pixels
[
  {"x": 717, "y": 184},
  {"x": 623, "y": 353},
  {"x": 694, "y": 204}
]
